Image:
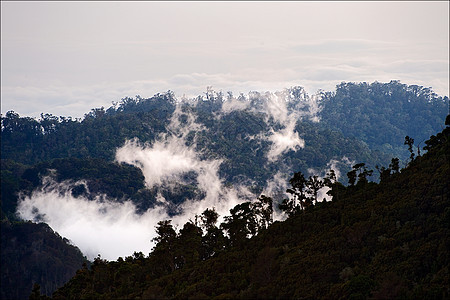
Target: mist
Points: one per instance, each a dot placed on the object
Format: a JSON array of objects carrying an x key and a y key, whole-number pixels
[
  {"x": 107, "y": 227},
  {"x": 113, "y": 228},
  {"x": 286, "y": 138},
  {"x": 282, "y": 121},
  {"x": 101, "y": 226}
]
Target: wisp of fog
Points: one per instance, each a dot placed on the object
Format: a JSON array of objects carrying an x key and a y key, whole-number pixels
[{"x": 114, "y": 229}]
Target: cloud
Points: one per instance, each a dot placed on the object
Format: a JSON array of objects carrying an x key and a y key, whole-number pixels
[
  {"x": 101, "y": 226},
  {"x": 233, "y": 104},
  {"x": 168, "y": 158},
  {"x": 284, "y": 140},
  {"x": 112, "y": 229},
  {"x": 341, "y": 46},
  {"x": 281, "y": 120},
  {"x": 67, "y": 68},
  {"x": 105, "y": 226},
  {"x": 160, "y": 161},
  {"x": 313, "y": 71}
]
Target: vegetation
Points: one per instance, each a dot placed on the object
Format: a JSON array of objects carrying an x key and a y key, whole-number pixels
[
  {"x": 85, "y": 149},
  {"x": 382, "y": 114},
  {"x": 31, "y": 141},
  {"x": 89, "y": 177},
  {"x": 35, "y": 254}
]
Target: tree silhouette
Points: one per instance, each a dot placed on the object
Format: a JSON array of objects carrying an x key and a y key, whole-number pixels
[
  {"x": 264, "y": 210},
  {"x": 358, "y": 171},
  {"x": 241, "y": 224},
  {"x": 299, "y": 200},
  {"x": 214, "y": 240},
  {"x": 188, "y": 245},
  {"x": 330, "y": 180},
  {"x": 351, "y": 177},
  {"x": 314, "y": 184},
  {"x": 394, "y": 165},
  {"x": 410, "y": 142},
  {"x": 209, "y": 218},
  {"x": 164, "y": 248}
]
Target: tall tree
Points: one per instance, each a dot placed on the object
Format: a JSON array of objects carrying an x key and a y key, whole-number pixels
[
  {"x": 299, "y": 199},
  {"x": 188, "y": 245},
  {"x": 214, "y": 240},
  {"x": 264, "y": 210},
  {"x": 330, "y": 181},
  {"x": 394, "y": 165},
  {"x": 314, "y": 184},
  {"x": 410, "y": 142},
  {"x": 241, "y": 224},
  {"x": 209, "y": 218},
  {"x": 164, "y": 248}
]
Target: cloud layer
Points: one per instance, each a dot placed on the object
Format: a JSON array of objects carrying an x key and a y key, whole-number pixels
[
  {"x": 102, "y": 226},
  {"x": 113, "y": 229}
]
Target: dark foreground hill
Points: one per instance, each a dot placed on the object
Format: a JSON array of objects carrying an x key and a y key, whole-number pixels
[
  {"x": 34, "y": 254},
  {"x": 383, "y": 241}
]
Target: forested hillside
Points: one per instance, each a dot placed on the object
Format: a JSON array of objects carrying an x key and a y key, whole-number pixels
[
  {"x": 382, "y": 114},
  {"x": 384, "y": 241},
  {"x": 35, "y": 254}
]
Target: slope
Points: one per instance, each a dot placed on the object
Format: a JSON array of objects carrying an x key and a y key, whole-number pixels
[{"x": 33, "y": 253}]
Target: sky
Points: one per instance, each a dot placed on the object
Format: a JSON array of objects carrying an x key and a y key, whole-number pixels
[{"x": 66, "y": 58}]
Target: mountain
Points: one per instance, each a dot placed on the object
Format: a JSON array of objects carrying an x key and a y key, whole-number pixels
[
  {"x": 386, "y": 240},
  {"x": 169, "y": 157}
]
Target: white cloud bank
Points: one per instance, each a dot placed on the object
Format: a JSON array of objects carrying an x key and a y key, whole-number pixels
[
  {"x": 102, "y": 226},
  {"x": 110, "y": 228},
  {"x": 115, "y": 229}
]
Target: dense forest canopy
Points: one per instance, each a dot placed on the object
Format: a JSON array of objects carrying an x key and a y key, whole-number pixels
[
  {"x": 375, "y": 114},
  {"x": 380, "y": 114}
]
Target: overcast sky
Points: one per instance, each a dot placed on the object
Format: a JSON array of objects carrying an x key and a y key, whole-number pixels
[{"x": 66, "y": 58}]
